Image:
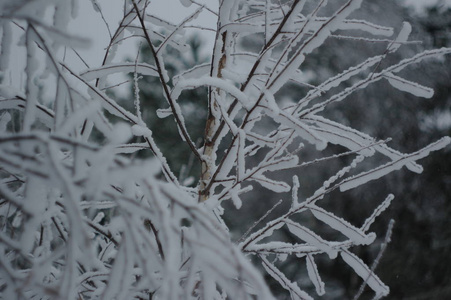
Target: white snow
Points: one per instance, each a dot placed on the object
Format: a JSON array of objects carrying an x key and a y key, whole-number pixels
[
  {"x": 313, "y": 273},
  {"x": 365, "y": 273},
  {"x": 140, "y": 68},
  {"x": 402, "y": 37},
  {"x": 295, "y": 292},
  {"x": 362, "y": 178},
  {"x": 95, "y": 218},
  {"x": 356, "y": 235},
  {"x": 409, "y": 86},
  {"x": 311, "y": 238}
]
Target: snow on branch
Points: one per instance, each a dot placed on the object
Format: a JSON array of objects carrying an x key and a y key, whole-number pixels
[{"x": 92, "y": 204}]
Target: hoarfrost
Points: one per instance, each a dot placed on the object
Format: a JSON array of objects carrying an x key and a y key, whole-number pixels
[
  {"x": 143, "y": 69},
  {"x": 313, "y": 273},
  {"x": 408, "y": 86},
  {"x": 365, "y": 273},
  {"x": 84, "y": 214},
  {"x": 402, "y": 37},
  {"x": 292, "y": 287}
]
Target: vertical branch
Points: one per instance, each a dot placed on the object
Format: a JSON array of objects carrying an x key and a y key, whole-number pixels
[
  {"x": 211, "y": 126},
  {"x": 167, "y": 93},
  {"x": 31, "y": 89},
  {"x": 136, "y": 88},
  {"x": 207, "y": 178}
]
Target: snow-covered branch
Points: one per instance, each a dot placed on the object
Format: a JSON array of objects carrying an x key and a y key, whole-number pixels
[{"x": 91, "y": 204}]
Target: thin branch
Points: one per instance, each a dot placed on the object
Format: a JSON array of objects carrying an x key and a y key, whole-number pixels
[
  {"x": 384, "y": 245},
  {"x": 166, "y": 88},
  {"x": 99, "y": 9},
  {"x": 258, "y": 221}
]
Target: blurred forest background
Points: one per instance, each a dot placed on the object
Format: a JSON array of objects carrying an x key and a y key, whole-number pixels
[{"x": 417, "y": 262}]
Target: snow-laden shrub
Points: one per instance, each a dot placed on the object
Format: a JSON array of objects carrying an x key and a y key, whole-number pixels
[{"x": 83, "y": 218}]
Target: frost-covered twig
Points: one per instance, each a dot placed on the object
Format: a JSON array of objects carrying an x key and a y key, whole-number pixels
[
  {"x": 174, "y": 107},
  {"x": 384, "y": 245}
]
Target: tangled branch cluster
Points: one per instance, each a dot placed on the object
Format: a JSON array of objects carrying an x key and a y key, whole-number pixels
[{"x": 81, "y": 218}]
